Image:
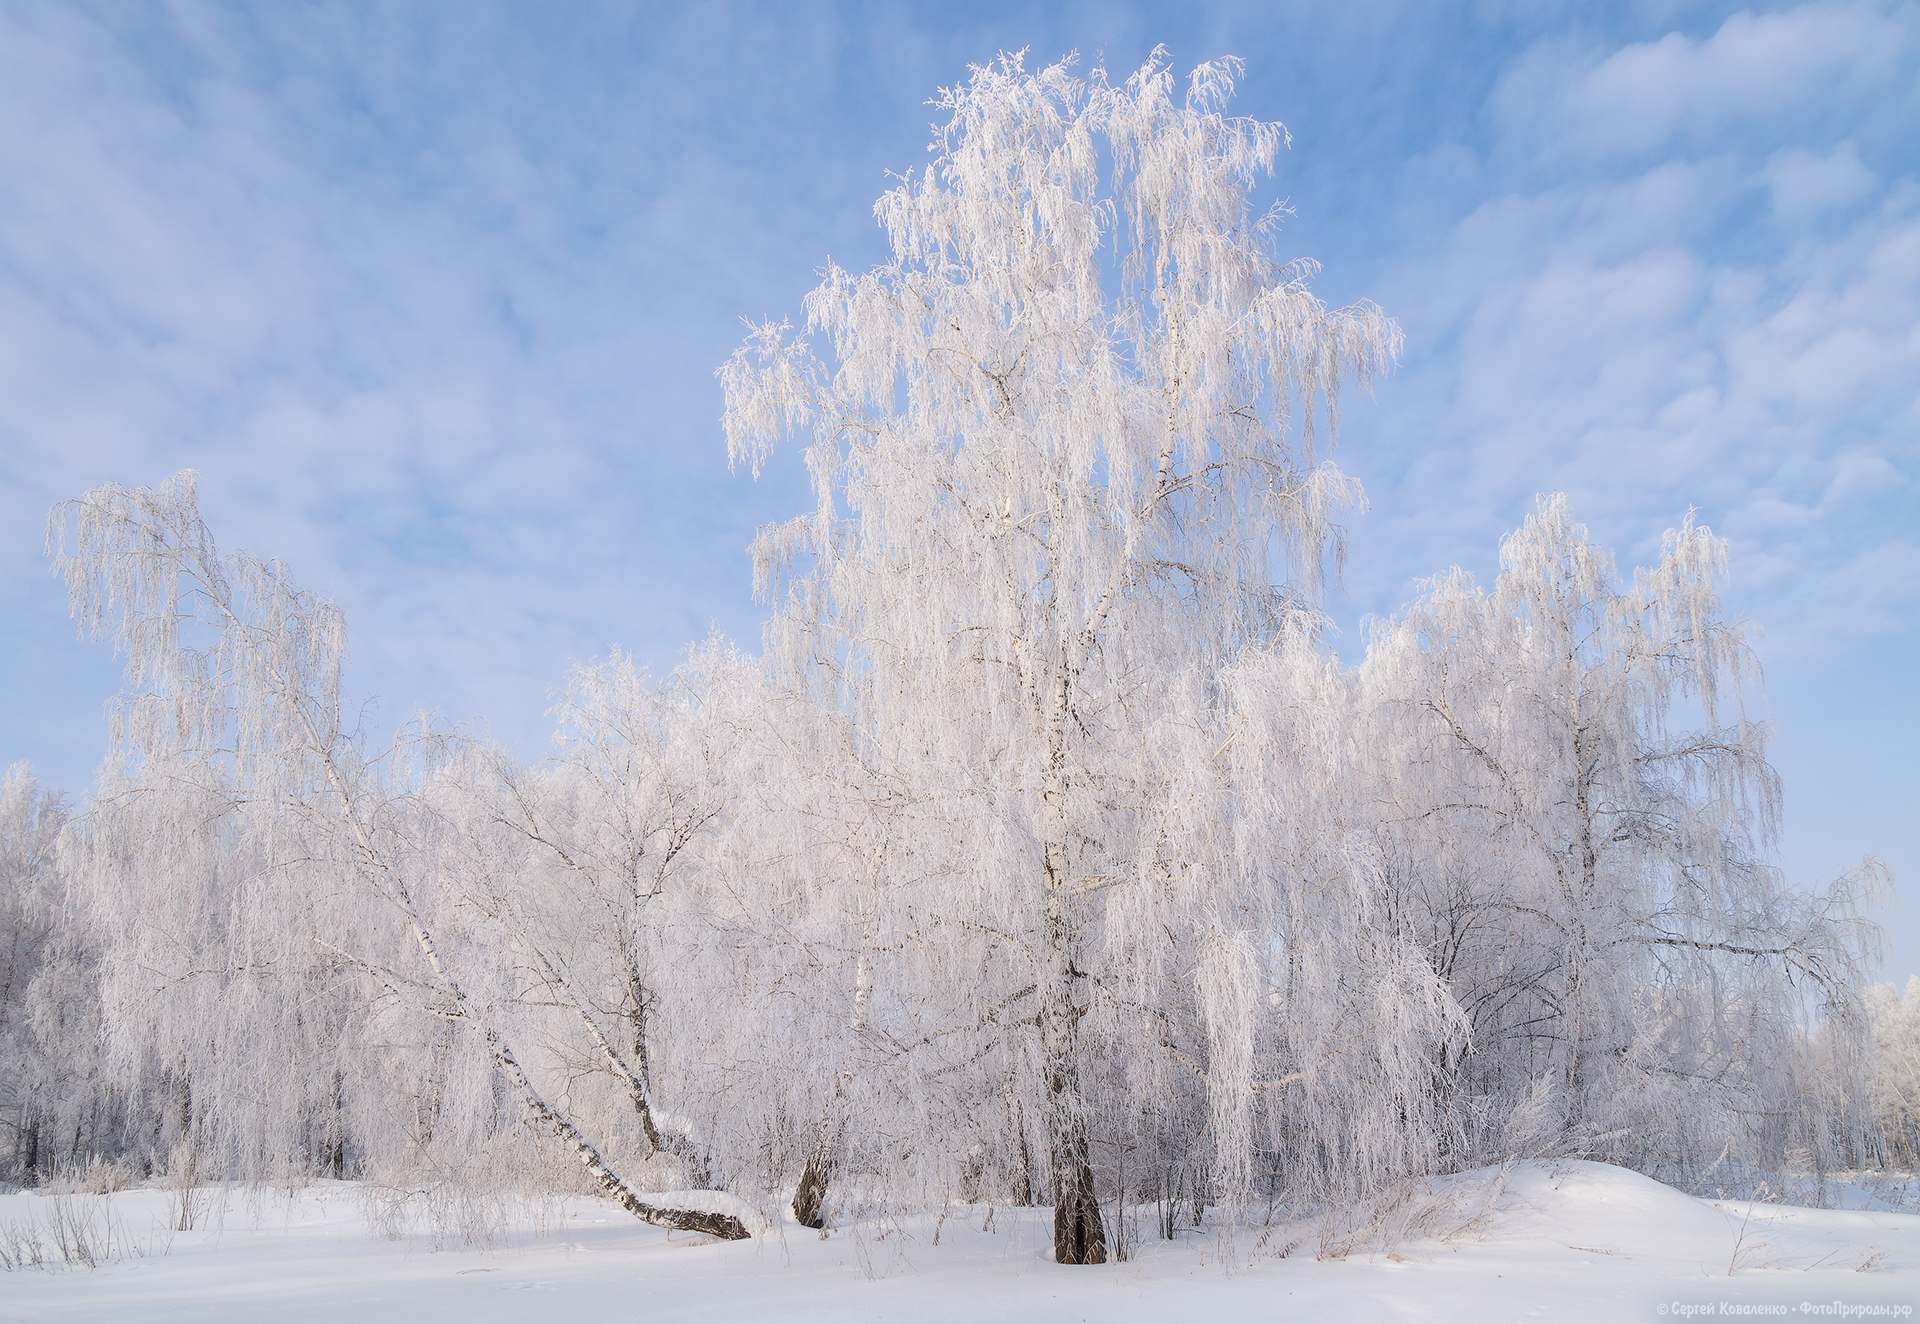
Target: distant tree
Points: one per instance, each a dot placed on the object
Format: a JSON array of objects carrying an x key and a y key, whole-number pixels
[
  {"x": 1894, "y": 1019},
  {"x": 1579, "y": 819},
  {"x": 36, "y": 1059}
]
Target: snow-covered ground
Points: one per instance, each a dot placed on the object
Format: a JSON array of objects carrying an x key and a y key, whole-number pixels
[{"x": 1578, "y": 1241}]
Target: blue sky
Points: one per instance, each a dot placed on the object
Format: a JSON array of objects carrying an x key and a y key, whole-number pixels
[{"x": 431, "y": 296}]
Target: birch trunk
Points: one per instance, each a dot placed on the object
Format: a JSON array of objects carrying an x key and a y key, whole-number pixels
[{"x": 1078, "y": 1235}]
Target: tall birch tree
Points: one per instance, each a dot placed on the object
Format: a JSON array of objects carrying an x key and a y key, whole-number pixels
[{"x": 1067, "y": 433}]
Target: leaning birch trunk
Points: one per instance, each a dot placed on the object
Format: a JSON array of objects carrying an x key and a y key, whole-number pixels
[{"x": 724, "y": 1226}]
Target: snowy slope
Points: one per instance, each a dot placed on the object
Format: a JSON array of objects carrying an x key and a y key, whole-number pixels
[{"x": 1575, "y": 1242}]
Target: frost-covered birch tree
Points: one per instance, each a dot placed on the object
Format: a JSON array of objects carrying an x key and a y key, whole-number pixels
[
  {"x": 1578, "y": 822},
  {"x": 255, "y": 864},
  {"x": 1894, "y": 1016},
  {"x": 1065, "y": 437},
  {"x": 45, "y": 1037},
  {"x": 591, "y": 871}
]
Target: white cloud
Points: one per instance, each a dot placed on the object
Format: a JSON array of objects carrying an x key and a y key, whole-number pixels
[
  {"x": 1807, "y": 186},
  {"x": 447, "y": 358},
  {"x": 1780, "y": 73}
]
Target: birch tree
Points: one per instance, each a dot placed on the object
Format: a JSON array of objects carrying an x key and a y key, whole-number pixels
[
  {"x": 1067, "y": 433},
  {"x": 1894, "y": 1097},
  {"x": 38, "y": 1061},
  {"x": 590, "y": 868},
  {"x": 248, "y": 833},
  {"x": 1584, "y": 813}
]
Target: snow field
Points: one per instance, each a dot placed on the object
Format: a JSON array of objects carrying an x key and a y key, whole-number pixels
[{"x": 1570, "y": 1242}]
